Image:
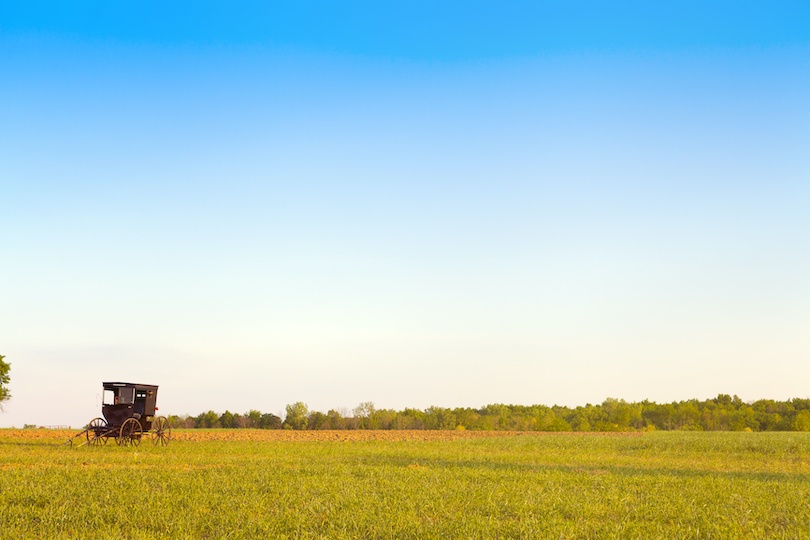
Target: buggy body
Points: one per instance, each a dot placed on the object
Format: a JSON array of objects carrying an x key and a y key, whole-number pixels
[{"x": 128, "y": 400}]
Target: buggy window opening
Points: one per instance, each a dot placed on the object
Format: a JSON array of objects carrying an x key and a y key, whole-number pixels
[
  {"x": 126, "y": 395},
  {"x": 110, "y": 396},
  {"x": 119, "y": 396}
]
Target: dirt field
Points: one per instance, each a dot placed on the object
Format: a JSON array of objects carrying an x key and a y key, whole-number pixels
[{"x": 311, "y": 436}]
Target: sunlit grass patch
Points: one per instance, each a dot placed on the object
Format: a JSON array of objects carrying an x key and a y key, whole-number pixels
[{"x": 660, "y": 485}]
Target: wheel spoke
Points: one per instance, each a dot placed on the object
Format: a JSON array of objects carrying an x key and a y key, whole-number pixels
[
  {"x": 161, "y": 432},
  {"x": 130, "y": 434},
  {"x": 96, "y": 430}
]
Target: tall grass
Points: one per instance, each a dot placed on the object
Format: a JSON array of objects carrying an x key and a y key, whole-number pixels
[{"x": 661, "y": 485}]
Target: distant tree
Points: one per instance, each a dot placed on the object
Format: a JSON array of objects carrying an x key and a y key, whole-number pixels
[
  {"x": 364, "y": 412},
  {"x": 723, "y": 400},
  {"x": 208, "y": 419},
  {"x": 384, "y": 419},
  {"x": 184, "y": 421},
  {"x": 253, "y": 418},
  {"x": 317, "y": 420},
  {"x": 558, "y": 424},
  {"x": 5, "y": 367},
  {"x": 802, "y": 421},
  {"x": 544, "y": 416},
  {"x": 336, "y": 419},
  {"x": 440, "y": 418},
  {"x": 269, "y": 421},
  {"x": 621, "y": 414},
  {"x": 411, "y": 419},
  {"x": 467, "y": 417},
  {"x": 227, "y": 420},
  {"x": 297, "y": 416}
]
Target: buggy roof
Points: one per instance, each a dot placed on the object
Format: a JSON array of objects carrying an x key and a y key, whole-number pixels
[{"x": 129, "y": 385}]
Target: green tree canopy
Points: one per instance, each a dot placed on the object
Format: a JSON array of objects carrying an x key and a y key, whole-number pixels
[
  {"x": 227, "y": 420},
  {"x": 364, "y": 412},
  {"x": 297, "y": 416},
  {"x": 5, "y": 367},
  {"x": 724, "y": 412},
  {"x": 208, "y": 419},
  {"x": 269, "y": 421}
]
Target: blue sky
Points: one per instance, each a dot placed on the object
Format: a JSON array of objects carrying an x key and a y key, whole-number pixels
[{"x": 454, "y": 206}]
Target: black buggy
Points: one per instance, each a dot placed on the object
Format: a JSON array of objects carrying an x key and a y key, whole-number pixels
[{"x": 129, "y": 415}]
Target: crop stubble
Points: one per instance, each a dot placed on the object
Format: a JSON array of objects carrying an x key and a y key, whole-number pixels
[{"x": 283, "y": 435}]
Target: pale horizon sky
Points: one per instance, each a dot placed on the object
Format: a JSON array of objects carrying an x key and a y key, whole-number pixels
[{"x": 551, "y": 204}]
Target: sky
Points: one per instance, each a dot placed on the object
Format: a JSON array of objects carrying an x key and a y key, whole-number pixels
[{"x": 255, "y": 204}]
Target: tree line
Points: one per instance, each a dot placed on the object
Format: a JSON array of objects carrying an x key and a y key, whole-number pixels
[
  {"x": 5, "y": 367},
  {"x": 723, "y": 413}
]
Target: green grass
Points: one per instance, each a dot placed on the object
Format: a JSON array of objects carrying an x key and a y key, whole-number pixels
[{"x": 661, "y": 485}]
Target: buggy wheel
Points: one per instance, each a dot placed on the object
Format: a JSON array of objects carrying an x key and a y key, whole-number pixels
[
  {"x": 161, "y": 432},
  {"x": 130, "y": 434},
  {"x": 96, "y": 430}
]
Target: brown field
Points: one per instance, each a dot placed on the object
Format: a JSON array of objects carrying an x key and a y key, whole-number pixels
[{"x": 270, "y": 435}]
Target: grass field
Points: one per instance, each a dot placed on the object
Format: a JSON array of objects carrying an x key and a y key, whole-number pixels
[{"x": 265, "y": 484}]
